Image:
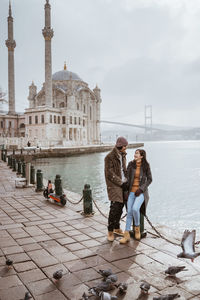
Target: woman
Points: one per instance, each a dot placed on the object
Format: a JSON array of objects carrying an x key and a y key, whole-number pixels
[{"x": 139, "y": 178}]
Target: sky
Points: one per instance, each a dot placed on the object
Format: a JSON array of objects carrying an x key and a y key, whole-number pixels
[{"x": 139, "y": 52}]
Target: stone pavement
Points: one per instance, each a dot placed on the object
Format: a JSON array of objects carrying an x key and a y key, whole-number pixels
[{"x": 42, "y": 237}]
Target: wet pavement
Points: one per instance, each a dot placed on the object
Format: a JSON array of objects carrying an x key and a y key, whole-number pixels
[{"x": 42, "y": 237}]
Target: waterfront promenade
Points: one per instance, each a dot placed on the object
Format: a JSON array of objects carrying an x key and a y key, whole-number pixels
[{"x": 41, "y": 237}]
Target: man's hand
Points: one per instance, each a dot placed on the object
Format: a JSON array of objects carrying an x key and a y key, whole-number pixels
[
  {"x": 138, "y": 192},
  {"x": 124, "y": 186}
]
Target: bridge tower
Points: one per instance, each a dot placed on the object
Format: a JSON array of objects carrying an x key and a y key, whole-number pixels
[{"x": 148, "y": 120}]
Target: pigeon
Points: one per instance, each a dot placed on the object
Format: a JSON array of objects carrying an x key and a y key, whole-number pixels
[
  {"x": 84, "y": 297},
  {"x": 172, "y": 271},
  {"x": 105, "y": 273},
  {"x": 122, "y": 286},
  {"x": 187, "y": 244},
  {"x": 167, "y": 297},
  {"x": 145, "y": 286},
  {"x": 112, "y": 277},
  {"x": 107, "y": 296},
  {"x": 58, "y": 274},
  {"x": 102, "y": 286},
  {"x": 9, "y": 262},
  {"x": 27, "y": 296}
]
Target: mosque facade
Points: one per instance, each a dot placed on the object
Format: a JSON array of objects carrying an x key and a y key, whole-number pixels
[{"x": 65, "y": 112}]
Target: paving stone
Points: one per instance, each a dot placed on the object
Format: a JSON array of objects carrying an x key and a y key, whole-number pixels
[
  {"x": 31, "y": 276},
  {"x": 5, "y": 271},
  {"x": 125, "y": 264},
  {"x": 90, "y": 243},
  {"x": 57, "y": 295},
  {"x": 41, "y": 287},
  {"x": 13, "y": 293},
  {"x": 16, "y": 258},
  {"x": 12, "y": 250},
  {"x": 25, "y": 241},
  {"x": 67, "y": 282},
  {"x": 57, "y": 235},
  {"x": 75, "y": 246},
  {"x": 87, "y": 274},
  {"x": 42, "y": 258},
  {"x": 82, "y": 237},
  {"x": 76, "y": 292},
  {"x": 65, "y": 241},
  {"x": 94, "y": 261},
  {"x": 6, "y": 283},
  {"x": 192, "y": 286},
  {"x": 42, "y": 238},
  {"x": 83, "y": 253},
  {"x": 31, "y": 247},
  {"x": 177, "y": 289},
  {"x": 33, "y": 231},
  {"x": 51, "y": 230},
  {"x": 65, "y": 257},
  {"x": 24, "y": 266}
]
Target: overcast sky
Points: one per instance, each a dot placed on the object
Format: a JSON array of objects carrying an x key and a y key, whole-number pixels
[{"x": 137, "y": 51}]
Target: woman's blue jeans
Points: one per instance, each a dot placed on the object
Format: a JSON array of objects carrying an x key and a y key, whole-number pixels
[{"x": 133, "y": 210}]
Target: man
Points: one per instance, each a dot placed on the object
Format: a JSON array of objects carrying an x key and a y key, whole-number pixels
[{"x": 115, "y": 175}]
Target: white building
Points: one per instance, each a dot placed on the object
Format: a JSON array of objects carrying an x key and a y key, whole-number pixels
[{"x": 65, "y": 111}]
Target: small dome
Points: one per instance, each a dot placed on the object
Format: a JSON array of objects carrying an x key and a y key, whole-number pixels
[{"x": 65, "y": 75}]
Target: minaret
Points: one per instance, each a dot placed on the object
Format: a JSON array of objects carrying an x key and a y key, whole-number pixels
[
  {"x": 10, "y": 43},
  {"x": 48, "y": 34}
]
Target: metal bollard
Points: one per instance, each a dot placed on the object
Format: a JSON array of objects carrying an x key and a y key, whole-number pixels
[
  {"x": 5, "y": 155},
  {"x": 32, "y": 181},
  {"x": 19, "y": 167},
  {"x": 14, "y": 164},
  {"x": 21, "y": 151},
  {"x": 24, "y": 170},
  {"x": 142, "y": 231},
  {"x": 11, "y": 161},
  {"x": 39, "y": 181},
  {"x": 2, "y": 152},
  {"x": 87, "y": 200},
  {"x": 58, "y": 185}
]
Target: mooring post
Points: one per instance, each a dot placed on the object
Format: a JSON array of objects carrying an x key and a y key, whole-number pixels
[
  {"x": 87, "y": 200},
  {"x": 32, "y": 175},
  {"x": 58, "y": 185},
  {"x": 24, "y": 169},
  {"x": 39, "y": 181}
]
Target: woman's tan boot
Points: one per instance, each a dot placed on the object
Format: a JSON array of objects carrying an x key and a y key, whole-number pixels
[
  {"x": 126, "y": 238},
  {"x": 110, "y": 236},
  {"x": 137, "y": 232}
]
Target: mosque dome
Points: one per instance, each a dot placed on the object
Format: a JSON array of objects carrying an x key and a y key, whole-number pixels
[{"x": 65, "y": 75}]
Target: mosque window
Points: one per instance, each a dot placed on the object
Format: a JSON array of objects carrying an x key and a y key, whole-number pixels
[
  {"x": 84, "y": 108},
  {"x": 63, "y": 119},
  {"x": 1, "y": 124},
  {"x": 42, "y": 119},
  {"x": 90, "y": 113},
  {"x": 83, "y": 123},
  {"x": 75, "y": 120},
  {"x": 54, "y": 119},
  {"x": 30, "y": 120},
  {"x": 62, "y": 104},
  {"x": 22, "y": 125},
  {"x": 77, "y": 106},
  {"x": 50, "y": 118},
  {"x": 70, "y": 119},
  {"x": 36, "y": 119},
  {"x": 79, "y": 121},
  {"x": 58, "y": 119}
]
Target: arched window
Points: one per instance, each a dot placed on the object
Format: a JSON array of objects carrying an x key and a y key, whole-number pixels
[
  {"x": 63, "y": 119},
  {"x": 84, "y": 108},
  {"x": 90, "y": 113},
  {"x": 54, "y": 119},
  {"x": 50, "y": 118},
  {"x": 62, "y": 104},
  {"x": 83, "y": 123},
  {"x": 58, "y": 119},
  {"x": 42, "y": 119},
  {"x": 22, "y": 125},
  {"x": 36, "y": 119},
  {"x": 77, "y": 106}
]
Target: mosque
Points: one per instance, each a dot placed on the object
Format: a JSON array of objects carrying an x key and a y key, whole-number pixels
[{"x": 65, "y": 112}]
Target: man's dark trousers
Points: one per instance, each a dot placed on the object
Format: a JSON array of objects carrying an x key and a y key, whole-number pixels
[{"x": 116, "y": 209}]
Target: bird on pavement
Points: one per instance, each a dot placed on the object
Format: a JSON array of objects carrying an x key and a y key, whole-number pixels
[
  {"x": 167, "y": 297},
  {"x": 58, "y": 274},
  {"x": 9, "y": 262},
  {"x": 105, "y": 273},
  {"x": 84, "y": 297},
  {"x": 112, "y": 277},
  {"x": 107, "y": 296},
  {"x": 145, "y": 286},
  {"x": 173, "y": 270},
  {"x": 102, "y": 286},
  {"x": 122, "y": 286},
  {"x": 188, "y": 245},
  {"x": 27, "y": 296}
]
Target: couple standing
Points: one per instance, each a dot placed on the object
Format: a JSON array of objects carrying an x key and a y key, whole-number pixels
[{"x": 133, "y": 180}]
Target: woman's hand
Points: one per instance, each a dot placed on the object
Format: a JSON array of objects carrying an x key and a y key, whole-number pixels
[{"x": 138, "y": 192}]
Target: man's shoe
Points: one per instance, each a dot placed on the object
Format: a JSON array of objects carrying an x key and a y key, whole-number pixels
[
  {"x": 119, "y": 231},
  {"x": 137, "y": 232},
  {"x": 110, "y": 236},
  {"x": 126, "y": 238}
]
